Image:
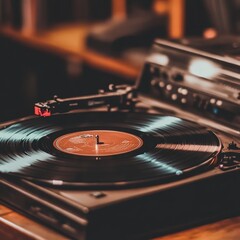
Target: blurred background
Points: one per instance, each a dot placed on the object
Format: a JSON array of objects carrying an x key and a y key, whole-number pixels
[{"x": 76, "y": 47}]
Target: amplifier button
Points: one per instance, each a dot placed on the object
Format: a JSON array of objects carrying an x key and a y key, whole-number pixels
[
  {"x": 219, "y": 103},
  {"x": 184, "y": 91},
  {"x": 180, "y": 90},
  {"x": 161, "y": 84},
  {"x": 174, "y": 97},
  {"x": 183, "y": 100},
  {"x": 212, "y": 100},
  {"x": 169, "y": 87}
]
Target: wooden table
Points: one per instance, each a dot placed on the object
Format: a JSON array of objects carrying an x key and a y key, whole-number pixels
[
  {"x": 16, "y": 226},
  {"x": 69, "y": 41}
]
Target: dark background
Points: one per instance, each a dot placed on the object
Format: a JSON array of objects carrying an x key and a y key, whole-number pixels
[{"x": 29, "y": 75}]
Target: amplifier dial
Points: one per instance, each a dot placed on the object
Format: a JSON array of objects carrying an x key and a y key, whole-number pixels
[{"x": 178, "y": 77}]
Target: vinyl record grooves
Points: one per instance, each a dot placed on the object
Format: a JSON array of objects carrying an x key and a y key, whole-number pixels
[{"x": 105, "y": 149}]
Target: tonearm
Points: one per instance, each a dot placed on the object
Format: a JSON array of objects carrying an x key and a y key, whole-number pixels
[{"x": 117, "y": 96}]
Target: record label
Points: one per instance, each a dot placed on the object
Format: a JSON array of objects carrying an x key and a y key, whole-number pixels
[{"x": 96, "y": 143}]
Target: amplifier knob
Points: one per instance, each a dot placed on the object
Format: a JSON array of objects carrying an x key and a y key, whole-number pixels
[
  {"x": 164, "y": 75},
  {"x": 178, "y": 77}
]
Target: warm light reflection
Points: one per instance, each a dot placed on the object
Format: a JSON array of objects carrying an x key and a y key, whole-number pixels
[
  {"x": 210, "y": 33},
  {"x": 96, "y": 148},
  {"x": 22, "y": 162},
  {"x": 160, "y": 123},
  {"x": 159, "y": 58},
  {"x": 57, "y": 182},
  {"x": 203, "y": 68},
  {"x": 190, "y": 147},
  {"x": 158, "y": 163}
]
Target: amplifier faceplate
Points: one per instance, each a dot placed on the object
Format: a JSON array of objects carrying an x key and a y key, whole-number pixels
[{"x": 199, "y": 82}]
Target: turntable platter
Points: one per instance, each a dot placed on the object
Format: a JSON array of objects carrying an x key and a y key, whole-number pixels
[{"x": 107, "y": 149}]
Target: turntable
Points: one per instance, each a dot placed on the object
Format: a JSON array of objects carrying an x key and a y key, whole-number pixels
[{"x": 130, "y": 172}]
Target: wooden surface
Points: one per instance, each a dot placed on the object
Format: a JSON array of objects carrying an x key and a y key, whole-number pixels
[
  {"x": 15, "y": 226},
  {"x": 69, "y": 41},
  {"x": 228, "y": 229}
]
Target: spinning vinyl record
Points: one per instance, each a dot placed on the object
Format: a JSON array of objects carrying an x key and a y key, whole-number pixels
[{"x": 107, "y": 149}]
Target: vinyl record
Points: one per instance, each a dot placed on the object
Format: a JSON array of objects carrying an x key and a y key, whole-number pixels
[{"x": 107, "y": 149}]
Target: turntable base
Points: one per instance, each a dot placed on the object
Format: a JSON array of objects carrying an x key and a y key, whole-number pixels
[{"x": 15, "y": 226}]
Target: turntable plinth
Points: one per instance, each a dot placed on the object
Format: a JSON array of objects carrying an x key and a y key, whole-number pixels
[{"x": 15, "y": 226}]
